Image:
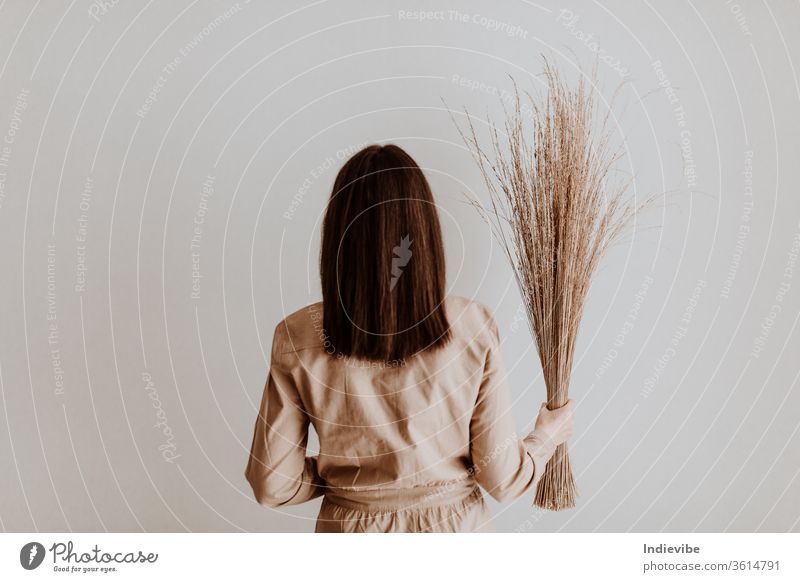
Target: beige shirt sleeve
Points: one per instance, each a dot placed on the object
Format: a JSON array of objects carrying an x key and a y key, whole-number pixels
[
  {"x": 503, "y": 464},
  {"x": 278, "y": 469}
]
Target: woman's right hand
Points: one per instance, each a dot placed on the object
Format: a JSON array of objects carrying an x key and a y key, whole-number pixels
[{"x": 555, "y": 426}]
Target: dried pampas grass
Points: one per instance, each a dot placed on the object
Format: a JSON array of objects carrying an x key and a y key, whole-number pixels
[{"x": 555, "y": 214}]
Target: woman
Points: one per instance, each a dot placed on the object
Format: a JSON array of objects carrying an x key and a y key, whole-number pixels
[{"x": 404, "y": 385}]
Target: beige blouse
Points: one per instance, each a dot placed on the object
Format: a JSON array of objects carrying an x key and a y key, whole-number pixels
[{"x": 403, "y": 444}]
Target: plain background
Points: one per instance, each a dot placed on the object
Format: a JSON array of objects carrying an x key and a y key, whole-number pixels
[{"x": 686, "y": 367}]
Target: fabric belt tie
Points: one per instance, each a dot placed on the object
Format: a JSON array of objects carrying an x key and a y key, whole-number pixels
[{"x": 397, "y": 499}]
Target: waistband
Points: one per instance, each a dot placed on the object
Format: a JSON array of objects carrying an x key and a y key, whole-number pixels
[{"x": 398, "y": 499}]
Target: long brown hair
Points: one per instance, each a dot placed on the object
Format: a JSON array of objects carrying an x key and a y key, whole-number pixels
[{"x": 382, "y": 259}]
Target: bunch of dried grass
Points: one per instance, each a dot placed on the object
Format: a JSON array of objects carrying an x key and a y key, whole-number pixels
[{"x": 555, "y": 215}]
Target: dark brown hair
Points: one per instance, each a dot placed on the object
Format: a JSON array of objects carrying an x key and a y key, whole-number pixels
[{"x": 382, "y": 259}]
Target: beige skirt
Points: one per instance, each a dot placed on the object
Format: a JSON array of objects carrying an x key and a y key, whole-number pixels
[{"x": 447, "y": 507}]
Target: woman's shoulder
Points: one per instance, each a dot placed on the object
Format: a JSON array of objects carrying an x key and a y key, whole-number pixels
[
  {"x": 458, "y": 304},
  {"x": 471, "y": 317},
  {"x": 301, "y": 329}
]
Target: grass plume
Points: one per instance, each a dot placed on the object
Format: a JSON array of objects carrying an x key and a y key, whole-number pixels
[{"x": 555, "y": 213}]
